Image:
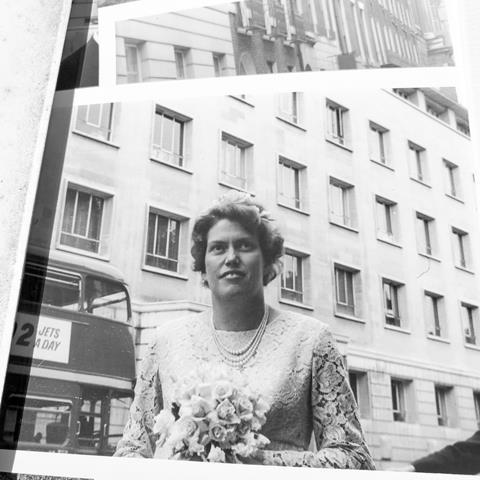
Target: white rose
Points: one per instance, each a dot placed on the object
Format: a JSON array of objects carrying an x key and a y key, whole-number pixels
[{"x": 216, "y": 455}]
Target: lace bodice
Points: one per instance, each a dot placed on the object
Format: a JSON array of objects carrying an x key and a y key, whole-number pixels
[{"x": 297, "y": 368}]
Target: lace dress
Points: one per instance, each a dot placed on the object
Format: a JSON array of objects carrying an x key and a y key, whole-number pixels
[{"x": 297, "y": 368}]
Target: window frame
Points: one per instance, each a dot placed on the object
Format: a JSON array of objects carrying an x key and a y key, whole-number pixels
[
  {"x": 470, "y": 321},
  {"x": 399, "y": 305},
  {"x": 245, "y": 159},
  {"x": 427, "y": 238},
  {"x": 383, "y": 143},
  {"x": 293, "y": 113},
  {"x": 444, "y": 417},
  {"x": 96, "y": 131},
  {"x": 436, "y": 325},
  {"x": 348, "y": 215},
  {"x": 179, "y": 55},
  {"x": 461, "y": 248},
  {"x": 336, "y": 130},
  {"x": 418, "y": 168},
  {"x": 399, "y": 400},
  {"x": 299, "y": 201},
  {"x": 345, "y": 309},
  {"x": 453, "y": 187},
  {"x": 301, "y": 294},
  {"x": 138, "y": 59}
]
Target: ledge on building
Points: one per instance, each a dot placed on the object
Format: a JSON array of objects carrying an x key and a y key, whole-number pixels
[
  {"x": 96, "y": 139},
  {"x": 84, "y": 253},
  {"x": 430, "y": 257},
  {"x": 345, "y": 227},
  {"x": 384, "y": 165},
  {"x": 352, "y": 318},
  {"x": 171, "y": 165},
  {"x": 471, "y": 346},
  {"x": 464, "y": 269},
  {"x": 166, "y": 273},
  {"x": 289, "y": 122},
  {"x": 437, "y": 339},
  {"x": 295, "y": 209},
  {"x": 454, "y": 197},
  {"x": 421, "y": 182},
  {"x": 333, "y": 142},
  {"x": 242, "y": 100},
  {"x": 234, "y": 187},
  {"x": 292, "y": 303},
  {"x": 393, "y": 243},
  {"x": 397, "y": 329}
]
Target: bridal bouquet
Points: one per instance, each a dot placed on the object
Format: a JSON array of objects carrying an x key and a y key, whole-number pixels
[{"x": 214, "y": 417}]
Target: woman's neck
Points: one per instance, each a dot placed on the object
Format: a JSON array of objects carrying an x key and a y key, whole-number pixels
[{"x": 239, "y": 315}]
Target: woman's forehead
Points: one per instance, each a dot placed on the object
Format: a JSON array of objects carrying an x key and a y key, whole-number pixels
[{"x": 225, "y": 229}]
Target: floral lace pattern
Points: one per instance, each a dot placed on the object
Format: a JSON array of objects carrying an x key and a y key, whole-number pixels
[{"x": 297, "y": 368}]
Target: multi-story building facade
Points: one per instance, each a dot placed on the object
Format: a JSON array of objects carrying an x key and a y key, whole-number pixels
[
  {"x": 257, "y": 36},
  {"x": 374, "y": 194}
]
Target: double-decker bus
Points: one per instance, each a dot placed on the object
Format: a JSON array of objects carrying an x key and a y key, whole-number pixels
[{"x": 72, "y": 360}]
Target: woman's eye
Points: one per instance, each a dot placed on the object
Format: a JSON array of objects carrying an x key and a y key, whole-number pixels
[
  {"x": 216, "y": 248},
  {"x": 245, "y": 245}
]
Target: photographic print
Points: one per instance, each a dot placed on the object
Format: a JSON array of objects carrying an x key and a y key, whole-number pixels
[{"x": 320, "y": 244}]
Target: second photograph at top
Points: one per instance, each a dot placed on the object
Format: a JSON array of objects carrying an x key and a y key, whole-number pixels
[{"x": 274, "y": 36}]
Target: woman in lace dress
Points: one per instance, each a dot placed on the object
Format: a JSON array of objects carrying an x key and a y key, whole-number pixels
[{"x": 290, "y": 359}]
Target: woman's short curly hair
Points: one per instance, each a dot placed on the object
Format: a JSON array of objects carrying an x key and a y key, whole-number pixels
[{"x": 241, "y": 208}]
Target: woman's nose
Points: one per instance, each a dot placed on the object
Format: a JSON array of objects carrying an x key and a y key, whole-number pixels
[{"x": 232, "y": 256}]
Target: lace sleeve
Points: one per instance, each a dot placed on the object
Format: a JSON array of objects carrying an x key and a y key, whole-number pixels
[
  {"x": 137, "y": 440},
  {"x": 337, "y": 429}
]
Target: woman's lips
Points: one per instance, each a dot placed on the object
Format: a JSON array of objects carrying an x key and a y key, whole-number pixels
[{"x": 232, "y": 274}]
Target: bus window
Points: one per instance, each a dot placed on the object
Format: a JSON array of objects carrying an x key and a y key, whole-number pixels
[
  {"x": 89, "y": 423},
  {"x": 119, "y": 409},
  {"x": 52, "y": 288},
  {"x": 106, "y": 298},
  {"x": 44, "y": 421}
]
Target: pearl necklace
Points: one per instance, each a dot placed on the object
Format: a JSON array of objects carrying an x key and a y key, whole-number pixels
[{"x": 239, "y": 357}]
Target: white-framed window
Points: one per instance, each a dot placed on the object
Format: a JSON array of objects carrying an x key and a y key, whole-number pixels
[
  {"x": 343, "y": 209},
  {"x": 289, "y": 106},
  {"x": 476, "y": 402},
  {"x": 393, "y": 302},
  {"x": 163, "y": 241},
  {"x": 399, "y": 401},
  {"x": 180, "y": 62},
  {"x": 417, "y": 162},
  {"x": 337, "y": 122},
  {"x": 435, "y": 314},
  {"x": 378, "y": 143},
  {"x": 347, "y": 287},
  {"x": 426, "y": 234},
  {"x": 461, "y": 247},
  {"x": 133, "y": 62},
  {"x": 463, "y": 126},
  {"x": 359, "y": 384},
  {"x": 471, "y": 323},
  {"x": 168, "y": 140},
  {"x": 292, "y": 278},
  {"x": 444, "y": 405},
  {"x": 387, "y": 221},
  {"x": 452, "y": 179},
  {"x": 218, "y": 64},
  {"x": 95, "y": 120},
  {"x": 85, "y": 220},
  {"x": 235, "y": 160},
  {"x": 291, "y": 183}
]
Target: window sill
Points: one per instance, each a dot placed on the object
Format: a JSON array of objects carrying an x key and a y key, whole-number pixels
[
  {"x": 453, "y": 197},
  {"x": 397, "y": 329},
  {"x": 345, "y": 227},
  {"x": 293, "y": 124},
  {"x": 472, "y": 346},
  {"x": 352, "y": 318},
  {"x": 430, "y": 257},
  {"x": 234, "y": 187},
  {"x": 437, "y": 339},
  {"x": 421, "y": 182},
  {"x": 296, "y": 304},
  {"x": 166, "y": 273},
  {"x": 84, "y": 253},
  {"x": 242, "y": 100},
  {"x": 464, "y": 269},
  {"x": 384, "y": 165},
  {"x": 295, "y": 209},
  {"x": 393, "y": 243},
  {"x": 172, "y": 165},
  {"x": 96, "y": 139},
  {"x": 334, "y": 142}
]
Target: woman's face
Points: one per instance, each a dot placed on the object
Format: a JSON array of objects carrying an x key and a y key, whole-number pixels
[{"x": 233, "y": 261}]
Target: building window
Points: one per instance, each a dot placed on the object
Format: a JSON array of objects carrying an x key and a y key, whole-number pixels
[
  {"x": 336, "y": 122},
  {"x": 342, "y": 203},
  {"x": 417, "y": 162},
  {"x": 168, "y": 143},
  {"x": 476, "y": 401},
  {"x": 290, "y": 182},
  {"x": 425, "y": 234},
  {"x": 292, "y": 284},
  {"x": 289, "y": 106},
  {"x": 83, "y": 222},
  {"x": 272, "y": 67},
  {"x": 218, "y": 64},
  {"x": 434, "y": 314},
  {"x": 133, "y": 62},
  {"x": 463, "y": 126},
  {"x": 378, "y": 143},
  {"x": 471, "y": 324},
  {"x": 452, "y": 178},
  {"x": 387, "y": 222},
  {"x": 461, "y": 247},
  {"x": 163, "y": 237},
  {"x": 180, "y": 63},
  {"x": 398, "y": 388},
  {"x": 346, "y": 286},
  {"x": 443, "y": 405},
  {"x": 359, "y": 385},
  {"x": 392, "y": 302},
  {"x": 234, "y": 161},
  {"x": 95, "y": 120}
]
